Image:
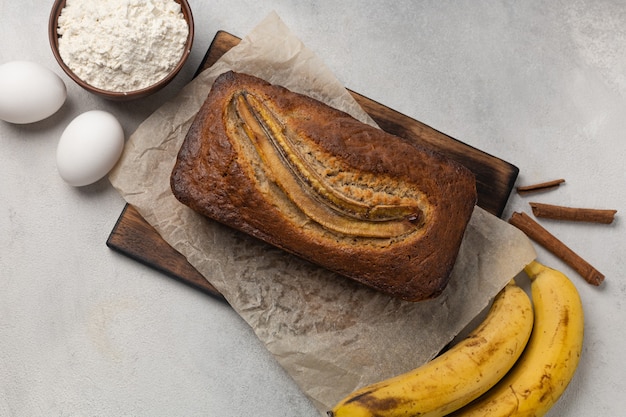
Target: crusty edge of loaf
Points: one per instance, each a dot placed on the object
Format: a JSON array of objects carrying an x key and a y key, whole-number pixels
[{"x": 413, "y": 287}]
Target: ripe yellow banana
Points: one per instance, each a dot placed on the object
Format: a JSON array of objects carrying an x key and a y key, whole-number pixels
[
  {"x": 458, "y": 375},
  {"x": 550, "y": 360}
]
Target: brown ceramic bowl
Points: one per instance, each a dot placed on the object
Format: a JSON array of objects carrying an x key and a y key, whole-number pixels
[{"x": 113, "y": 95}]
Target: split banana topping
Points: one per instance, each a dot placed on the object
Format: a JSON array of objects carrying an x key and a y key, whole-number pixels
[
  {"x": 457, "y": 376},
  {"x": 550, "y": 360},
  {"x": 292, "y": 169}
]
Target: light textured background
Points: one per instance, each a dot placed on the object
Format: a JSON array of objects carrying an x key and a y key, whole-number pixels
[{"x": 87, "y": 332}]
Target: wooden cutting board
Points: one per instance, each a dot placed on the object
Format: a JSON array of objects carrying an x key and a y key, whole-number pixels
[{"x": 495, "y": 178}]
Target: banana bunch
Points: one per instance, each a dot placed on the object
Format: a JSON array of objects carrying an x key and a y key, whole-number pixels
[
  {"x": 513, "y": 364},
  {"x": 548, "y": 364},
  {"x": 457, "y": 376}
]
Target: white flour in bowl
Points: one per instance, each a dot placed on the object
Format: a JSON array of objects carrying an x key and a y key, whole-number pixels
[{"x": 122, "y": 45}]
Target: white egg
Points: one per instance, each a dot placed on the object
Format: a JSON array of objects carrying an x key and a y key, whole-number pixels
[
  {"x": 29, "y": 92},
  {"x": 89, "y": 147}
]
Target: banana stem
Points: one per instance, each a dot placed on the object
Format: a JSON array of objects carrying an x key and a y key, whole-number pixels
[{"x": 533, "y": 269}]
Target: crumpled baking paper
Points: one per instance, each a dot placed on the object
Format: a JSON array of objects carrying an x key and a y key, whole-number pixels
[{"x": 330, "y": 334}]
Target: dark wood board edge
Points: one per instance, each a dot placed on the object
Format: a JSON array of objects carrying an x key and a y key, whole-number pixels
[
  {"x": 494, "y": 185},
  {"x": 134, "y": 237},
  {"x": 221, "y": 43}
]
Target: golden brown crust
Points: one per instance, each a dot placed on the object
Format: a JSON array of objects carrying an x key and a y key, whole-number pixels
[{"x": 314, "y": 181}]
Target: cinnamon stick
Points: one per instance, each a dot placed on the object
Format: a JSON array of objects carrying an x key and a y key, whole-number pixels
[
  {"x": 550, "y": 211},
  {"x": 543, "y": 237},
  {"x": 540, "y": 186}
]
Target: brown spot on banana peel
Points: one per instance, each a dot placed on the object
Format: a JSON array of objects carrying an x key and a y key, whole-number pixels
[
  {"x": 370, "y": 402},
  {"x": 306, "y": 189}
]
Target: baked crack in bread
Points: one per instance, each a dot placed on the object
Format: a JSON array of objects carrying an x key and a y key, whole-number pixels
[{"x": 314, "y": 181}]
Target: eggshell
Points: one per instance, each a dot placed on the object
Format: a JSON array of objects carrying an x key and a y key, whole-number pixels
[
  {"x": 89, "y": 147},
  {"x": 29, "y": 92}
]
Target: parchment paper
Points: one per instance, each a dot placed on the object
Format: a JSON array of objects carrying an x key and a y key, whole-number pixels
[{"x": 330, "y": 334}]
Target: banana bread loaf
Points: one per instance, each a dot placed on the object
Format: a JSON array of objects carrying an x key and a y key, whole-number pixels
[{"x": 316, "y": 182}]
